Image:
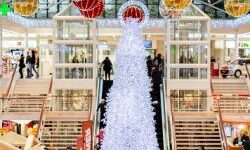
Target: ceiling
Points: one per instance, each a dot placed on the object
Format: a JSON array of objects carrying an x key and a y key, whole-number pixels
[{"x": 48, "y": 8}]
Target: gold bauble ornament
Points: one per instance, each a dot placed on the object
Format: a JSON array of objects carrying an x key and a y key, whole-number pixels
[
  {"x": 25, "y": 7},
  {"x": 176, "y": 4},
  {"x": 237, "y": 8},
  {"x": 170, "y": 13}
]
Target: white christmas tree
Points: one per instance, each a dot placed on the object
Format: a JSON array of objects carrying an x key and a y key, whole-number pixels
[{"x": 129, "y": 117}]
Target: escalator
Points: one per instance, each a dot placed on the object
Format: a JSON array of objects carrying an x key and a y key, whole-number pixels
[
  {"x": 156, "y": 96},
  {"x": 107, "y": 84}
]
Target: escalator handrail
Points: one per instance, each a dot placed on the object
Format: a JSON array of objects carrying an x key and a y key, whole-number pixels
[
  {"x": 96, "y": 117},
  {"x": 164, "y": 122},
  {"x": 11, "y": 81},
  {"x": 167, "y": 120}
]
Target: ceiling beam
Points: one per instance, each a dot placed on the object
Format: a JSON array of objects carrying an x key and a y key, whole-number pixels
[
  {"x": 217, "y": 2},
  {"x": 212, "y": 6}
]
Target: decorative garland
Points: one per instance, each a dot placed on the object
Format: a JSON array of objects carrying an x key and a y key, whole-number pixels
[{"x": 156, "y": 23}]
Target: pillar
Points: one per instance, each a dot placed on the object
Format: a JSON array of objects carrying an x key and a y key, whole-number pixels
[
  {"x": 1, "y": 47},
  {"x": 236, "y": 53},
  {"x": 26, "y": 40}
]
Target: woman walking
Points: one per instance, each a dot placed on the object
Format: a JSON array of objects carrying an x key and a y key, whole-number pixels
[
  {"x": 32, "y": 63},
  {"x": 21, "y": 66}
]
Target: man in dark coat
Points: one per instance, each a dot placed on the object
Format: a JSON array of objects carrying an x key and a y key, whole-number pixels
[{"x": 107, "y": 67}]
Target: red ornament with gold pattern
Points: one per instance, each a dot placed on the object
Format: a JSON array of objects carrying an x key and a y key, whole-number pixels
[
  {"x": 86, "y": 5},
  {"x": 94, "y": 13},
  {"x": 133, "y": 12}
]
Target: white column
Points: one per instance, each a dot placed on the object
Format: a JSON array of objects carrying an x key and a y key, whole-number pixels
[
  {"x": 23, "y": 128},
  {"x": 236, "y": 53},
  {"x": 1, "y": 49},
  {"x": 26, "y": 40}
]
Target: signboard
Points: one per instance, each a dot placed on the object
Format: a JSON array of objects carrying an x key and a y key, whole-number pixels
[
  {"x": 79, "y": 143},
  {"x": 85, "y": 142}
]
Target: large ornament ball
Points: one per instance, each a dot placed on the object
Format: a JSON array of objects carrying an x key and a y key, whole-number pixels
[
  {"x": 169, "y": 13},
  {"x": 94, "y": 13},
  {"x": 86, "y": 5},
  {"x": 25, "y": 7},
  {"x": 237, "y": 9},
  {"x": 133, "y": 12},
  {"x": 176, "y": 4}
]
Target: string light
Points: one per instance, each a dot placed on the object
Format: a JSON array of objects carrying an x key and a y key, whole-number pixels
[{"x": 151, "y": 23}]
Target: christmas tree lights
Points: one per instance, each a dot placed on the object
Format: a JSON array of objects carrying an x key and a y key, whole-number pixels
[{"x": 129, "y": 116}]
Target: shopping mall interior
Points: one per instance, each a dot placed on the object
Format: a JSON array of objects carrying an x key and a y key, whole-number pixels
[{"x": 58, "y": 90}]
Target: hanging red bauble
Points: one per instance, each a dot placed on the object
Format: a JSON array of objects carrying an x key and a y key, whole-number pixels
[
  {"x": 94, "y": 13},
  {"x": 133, "y": 12},
  {"x": 85, "y": 5}
]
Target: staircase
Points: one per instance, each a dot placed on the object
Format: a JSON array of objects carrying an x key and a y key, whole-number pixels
[
  {"x": 32, "y": 86},
  {"x": 230, "y": 86},
  {"x": 193, "y": 131},
  {"x": 27, "y": 104},
  {"x": 58, "y": 135}
]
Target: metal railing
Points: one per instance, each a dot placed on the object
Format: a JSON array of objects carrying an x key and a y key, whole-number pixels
[
  {"x": 11, "y": 80},
  {"x": 166, "y": 120},
  {"x": 97, "y": 116},
  {"x": 221, "y": 125},
  {"x": 232, "y": 104}
]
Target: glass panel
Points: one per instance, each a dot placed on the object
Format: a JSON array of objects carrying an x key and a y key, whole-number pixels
[
  {"x": 189, "y": 100},
  {"x": 188, "y": 73},
  {"x": 153, "y": 10},
  {"x": 188, "y": 54},
  {"x": 188, "y": 30},
  {"x": 74, "y": 73},
  {"x": 121, "y": 1},
  {"x": 75, "y": 54},
  {"x": 109, "y": 11},
  {"x": 203, "y": 73},
  {"x": 155, "y": 2},
  {"x": 174, "y": 73},
  {"x": 74, "y": 30},
  {"x": 173, "y": 54},
  {"x": 73, "y": 100}
]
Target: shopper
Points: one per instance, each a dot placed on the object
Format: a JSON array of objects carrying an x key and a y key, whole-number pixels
[
  {"x": 246, "y": 143},
  {"x": 74, "y": 71},
  {"x": 21, "y": 66},
  {"x": 28, "y": 64},
  {"x": 102, "y": 107},
  {"x": 32, "y": 63},
  {"x": 149, "y": 65},
  {"x": 107, "y": 67},
  {"x": 158, "y": 62}
]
